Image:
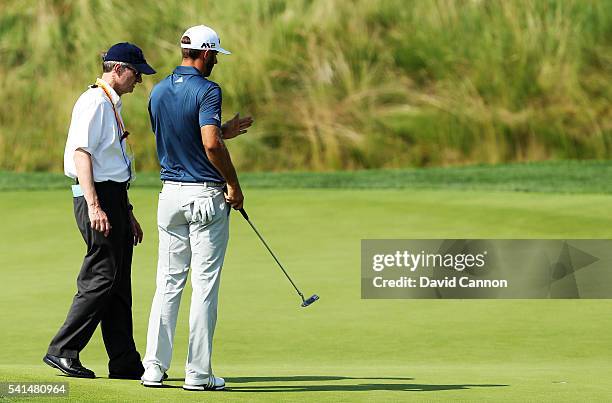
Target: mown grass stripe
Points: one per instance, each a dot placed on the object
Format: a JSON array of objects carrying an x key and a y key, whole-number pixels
[{"x": 547, "y": 177}]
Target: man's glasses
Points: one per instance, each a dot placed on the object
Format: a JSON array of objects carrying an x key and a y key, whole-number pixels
[{"x": 137, "y": 73}]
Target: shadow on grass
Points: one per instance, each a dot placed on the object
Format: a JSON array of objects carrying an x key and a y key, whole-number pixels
[
  {"x": 361, "y": 387},
  {"x": 63, "y": 375},
  {"x": 305, "y": 378},
  {"x": 367, "y": 387}
]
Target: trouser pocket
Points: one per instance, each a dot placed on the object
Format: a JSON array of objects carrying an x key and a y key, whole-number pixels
[{"x": 201, "y": 209}]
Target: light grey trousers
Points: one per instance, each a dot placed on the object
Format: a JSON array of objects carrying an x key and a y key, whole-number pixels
[{"x": 193, "y": 223}]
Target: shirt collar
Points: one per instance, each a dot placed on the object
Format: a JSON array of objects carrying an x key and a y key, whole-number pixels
[
  {"x": 187, "y": 71},
  {"x": 115, "y": 98}
]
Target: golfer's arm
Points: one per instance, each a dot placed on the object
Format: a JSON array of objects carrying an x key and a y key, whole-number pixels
[
  {"x": 218, "y": 154},
  {"x": 84, "y": 169}
]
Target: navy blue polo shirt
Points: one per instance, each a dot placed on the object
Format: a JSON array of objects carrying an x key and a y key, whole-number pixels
[{"x": 179, "y": 106}]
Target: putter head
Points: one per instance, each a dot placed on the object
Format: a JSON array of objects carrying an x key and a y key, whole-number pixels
[{"x": 310, "y": 301}]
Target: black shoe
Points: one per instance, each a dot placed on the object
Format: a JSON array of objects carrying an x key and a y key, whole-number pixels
[
  {"x": 133, "y": 371},
  {"x": 69, "y": 366},
  {"x": 133, "y": 376}
]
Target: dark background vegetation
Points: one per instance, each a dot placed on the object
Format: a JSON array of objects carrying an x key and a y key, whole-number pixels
[{"x": 332, "y": 84}]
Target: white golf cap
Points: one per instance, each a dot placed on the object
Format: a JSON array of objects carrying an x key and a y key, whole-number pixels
[{"x": 203, "y": 38}]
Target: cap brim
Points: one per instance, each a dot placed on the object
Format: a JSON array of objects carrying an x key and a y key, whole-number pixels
[
  {"x": 144, "y": 68},
  {"x": 220, "y": 50}
]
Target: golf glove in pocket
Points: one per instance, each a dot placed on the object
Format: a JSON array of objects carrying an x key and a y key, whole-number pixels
[{"x": 202, "y": 209}]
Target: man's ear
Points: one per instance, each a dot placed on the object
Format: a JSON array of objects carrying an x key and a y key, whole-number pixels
[{"x": 117, "y": 69}]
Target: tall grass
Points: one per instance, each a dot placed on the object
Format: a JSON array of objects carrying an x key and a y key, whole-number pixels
[{"x": 331, "y": 84}]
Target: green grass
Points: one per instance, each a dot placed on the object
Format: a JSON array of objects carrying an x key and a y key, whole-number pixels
[
  {"x": 549, "y": 177},
  {"x": 342, "y": 348},
  {"x": 331, "y": 84}
]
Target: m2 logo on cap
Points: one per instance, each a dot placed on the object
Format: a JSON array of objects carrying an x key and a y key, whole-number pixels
[{"x": 208, "y": 45}]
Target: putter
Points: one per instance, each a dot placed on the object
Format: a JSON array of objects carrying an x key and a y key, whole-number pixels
[{"x": 305, "y": 302}]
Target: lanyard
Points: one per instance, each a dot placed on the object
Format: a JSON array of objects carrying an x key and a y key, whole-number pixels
[{"x": 124, "y": 133}]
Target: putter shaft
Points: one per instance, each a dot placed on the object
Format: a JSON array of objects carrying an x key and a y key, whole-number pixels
[{"x": 246, "y": 217}]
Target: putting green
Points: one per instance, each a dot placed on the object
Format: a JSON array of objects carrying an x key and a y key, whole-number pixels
[{"x": 341, "y": 348}]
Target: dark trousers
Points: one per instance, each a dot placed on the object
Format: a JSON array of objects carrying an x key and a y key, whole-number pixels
[{"x": 104, "y": 289}]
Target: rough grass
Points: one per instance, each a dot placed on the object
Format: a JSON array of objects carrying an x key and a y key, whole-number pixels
[{"x": 332, "y": 84}]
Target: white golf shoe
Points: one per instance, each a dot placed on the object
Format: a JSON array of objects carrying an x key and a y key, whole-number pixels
[
  {"x": 213, "y": 383},
  {"x": 153, "y": 377}
]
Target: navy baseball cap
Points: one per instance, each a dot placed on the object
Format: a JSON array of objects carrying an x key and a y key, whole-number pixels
[{"x": 129, "y": 53}]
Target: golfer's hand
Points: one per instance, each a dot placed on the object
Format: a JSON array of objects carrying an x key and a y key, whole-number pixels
[
  {"x": 236, "y": 126},
  {"x": 98, "y": 219},
  {"x": 136, "y": 230},
  {"x": 234, "y": 196}
]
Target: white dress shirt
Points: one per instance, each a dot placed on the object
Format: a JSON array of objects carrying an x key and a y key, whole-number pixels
[{"x": 94, "y": 129}]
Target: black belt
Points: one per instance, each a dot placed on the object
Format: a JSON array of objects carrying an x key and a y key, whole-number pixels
[{"x": 125, "y": 185}]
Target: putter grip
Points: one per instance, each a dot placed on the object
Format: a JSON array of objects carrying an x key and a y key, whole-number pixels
[{"x": 244, "y": 214}]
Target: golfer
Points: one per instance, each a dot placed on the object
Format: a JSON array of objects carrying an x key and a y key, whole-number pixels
[
  {"x": 96, "y": 158},
  {"x": 199, "y": 186}
]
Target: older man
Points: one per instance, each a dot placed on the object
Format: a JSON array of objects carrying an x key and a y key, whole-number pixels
[
  {"x": 193, "y": 210},
  {"x": 95, "y": 156}
]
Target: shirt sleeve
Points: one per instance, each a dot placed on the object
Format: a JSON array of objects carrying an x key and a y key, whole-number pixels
[
  {"x": 210, "y": 107},
  {"x": 86, "y": 126}
]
